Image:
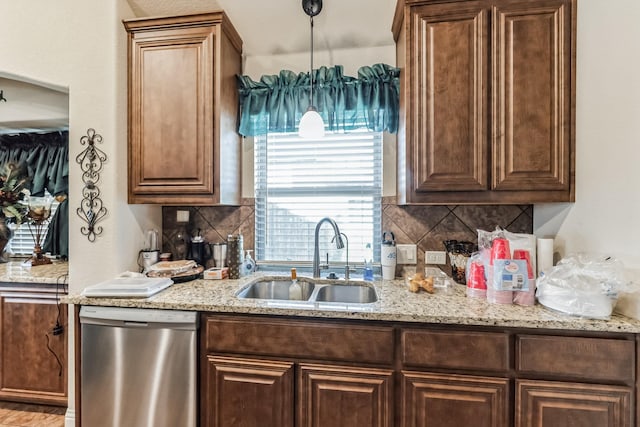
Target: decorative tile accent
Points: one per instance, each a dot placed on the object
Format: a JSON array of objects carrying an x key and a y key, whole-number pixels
[
  {"x": 428, "y": 226},
  {"x": 214, "y": 222},
  {"x": 425, "y": 226}
]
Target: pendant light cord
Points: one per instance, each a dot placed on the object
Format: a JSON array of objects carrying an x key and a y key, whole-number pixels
[{"x": 311, "y": 66}]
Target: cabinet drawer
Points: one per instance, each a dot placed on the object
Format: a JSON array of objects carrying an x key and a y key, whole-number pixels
[
  {"x": 581, "y": 358},
  {"x": 455, "y": 350},
  {"x": 300, "y": 339}
]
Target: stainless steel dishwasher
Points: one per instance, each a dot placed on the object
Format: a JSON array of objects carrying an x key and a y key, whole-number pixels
[{"x": 138, "y": 367}]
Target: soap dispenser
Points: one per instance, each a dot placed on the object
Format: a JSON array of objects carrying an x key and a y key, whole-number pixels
[{"x": 249, "y": 264}]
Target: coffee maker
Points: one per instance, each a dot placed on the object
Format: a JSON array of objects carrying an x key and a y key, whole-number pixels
[{"x": 150, "y": 252}]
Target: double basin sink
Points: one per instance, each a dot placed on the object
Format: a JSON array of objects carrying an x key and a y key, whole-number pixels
[{"x": 351, "y": 293}]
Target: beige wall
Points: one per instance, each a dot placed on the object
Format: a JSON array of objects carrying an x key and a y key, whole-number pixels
[
  {"x": 605, "y": 216},
  {"x": 81, "y": 45}
]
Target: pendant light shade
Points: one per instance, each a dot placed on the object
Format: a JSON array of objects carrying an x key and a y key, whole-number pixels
[{"x": 311, "y": 124}]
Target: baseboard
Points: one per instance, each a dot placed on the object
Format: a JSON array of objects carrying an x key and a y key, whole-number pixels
[{"x": 70, "y": 418}]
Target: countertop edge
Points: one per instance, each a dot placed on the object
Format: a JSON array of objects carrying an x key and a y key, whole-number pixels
[{"x": 396, "y": 304}]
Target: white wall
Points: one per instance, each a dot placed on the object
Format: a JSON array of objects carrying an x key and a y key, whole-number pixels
[
  {"x": 81, "y": 45},
  {"x": 604, "y": 218}
]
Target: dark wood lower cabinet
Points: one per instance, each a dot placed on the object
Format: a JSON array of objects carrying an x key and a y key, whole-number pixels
[
  {"x": 340, "y": 396},
  {"x": 561, "y": 404},
  {"x": 248, "y": 392},
  {"x": 446, "y": 400},
  {"x": 33, "y": 360},
  {"x": 275, "y": 371}
]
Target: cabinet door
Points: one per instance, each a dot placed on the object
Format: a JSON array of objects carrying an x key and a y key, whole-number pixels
[
  {"x": 340, "y": 396},
  {"x": 454, "y": 400},
  {"x": 247, "y": 392},
  {"x": 34, "y": 360},
  {"x": 532, "y": 96},
  {"x": 448, "y": 90},
  {"x": 171, "y": 112},
  {"x": 557, "y": 404}
]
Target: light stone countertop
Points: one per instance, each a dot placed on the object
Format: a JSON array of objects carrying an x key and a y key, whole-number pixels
[
  {"x": 395, "y": 303},
  {"x": 16, "y": 272}
]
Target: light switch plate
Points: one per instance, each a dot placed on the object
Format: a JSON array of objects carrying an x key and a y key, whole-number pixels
[
  {"x": 435, "y": 257},
  {"x": 406, "y": 254}
]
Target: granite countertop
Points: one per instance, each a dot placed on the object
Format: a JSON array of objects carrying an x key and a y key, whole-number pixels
[
  {"x": 395, "y": 303},
  {"x": 16, "y": 272}
]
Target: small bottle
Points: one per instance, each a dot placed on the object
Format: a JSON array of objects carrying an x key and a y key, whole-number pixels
[
  {"x": 368, "y": 263},
  {"x": 295, "y": 290},
  {"x": 248, "y": 265}
]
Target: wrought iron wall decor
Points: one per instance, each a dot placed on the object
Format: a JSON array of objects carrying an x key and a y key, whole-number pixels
[{"x": 91, "y": 208}]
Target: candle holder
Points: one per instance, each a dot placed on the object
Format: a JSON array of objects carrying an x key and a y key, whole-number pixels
[{"x": 39, "y": 213}]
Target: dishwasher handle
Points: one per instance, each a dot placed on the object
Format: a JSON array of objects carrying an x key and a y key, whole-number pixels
[{"x": 138, "y": 318}]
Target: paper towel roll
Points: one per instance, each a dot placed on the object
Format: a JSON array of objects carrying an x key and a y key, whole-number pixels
[{"x": 545, "y": 254}]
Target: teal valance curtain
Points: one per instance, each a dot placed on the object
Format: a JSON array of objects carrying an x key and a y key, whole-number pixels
[
  {"x": 46, "y": 156},
  {"x": 277, "y": 102}
]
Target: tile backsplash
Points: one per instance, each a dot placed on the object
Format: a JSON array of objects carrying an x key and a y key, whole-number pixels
[{"x": 425, "y": 226}]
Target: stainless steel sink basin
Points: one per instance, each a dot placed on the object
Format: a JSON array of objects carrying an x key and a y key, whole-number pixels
[
  {"x": 278, "y": 289},
  {"x": 313, "y": 292},
  {"x": 360, "y": 294}
]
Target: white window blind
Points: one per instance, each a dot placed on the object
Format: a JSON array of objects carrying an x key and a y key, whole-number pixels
[
  {"x": 300, "y": 181},
  {"x": 22, "y": 242}
]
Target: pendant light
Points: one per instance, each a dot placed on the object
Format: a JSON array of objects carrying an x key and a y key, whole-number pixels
[{"x": 311, "y": 124}]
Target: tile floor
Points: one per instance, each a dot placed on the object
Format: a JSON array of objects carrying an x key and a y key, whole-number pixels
[{"x": 23, "y": 415}]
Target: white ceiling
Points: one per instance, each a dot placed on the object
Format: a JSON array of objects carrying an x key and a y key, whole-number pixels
[
  {"x": 32, "y": 106},
  {"x": 271, "y": 27}
]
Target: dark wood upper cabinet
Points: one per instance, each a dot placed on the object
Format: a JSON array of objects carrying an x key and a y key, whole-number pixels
[
  {"x": 487, "y": 101},
  {"x": 183, "y": 105}
]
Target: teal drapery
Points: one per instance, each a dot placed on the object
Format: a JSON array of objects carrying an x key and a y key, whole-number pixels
[
  {"x": 46, "y": 156},
  {"x": 277, "y": 102}
]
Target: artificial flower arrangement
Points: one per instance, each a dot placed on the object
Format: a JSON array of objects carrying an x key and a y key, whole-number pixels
[{"x": 14, "y": 181}]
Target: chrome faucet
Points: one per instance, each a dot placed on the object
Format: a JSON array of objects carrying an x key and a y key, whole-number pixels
[
  {"x": 347, "y": 268},
  {"x": 316, "y": 249}
]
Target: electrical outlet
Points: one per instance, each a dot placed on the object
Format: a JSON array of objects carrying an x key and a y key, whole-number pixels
[
  {"x": 406, "y": 254},
  {"x": 182, "y": 216},
  {"x": 435, "y": 257}
]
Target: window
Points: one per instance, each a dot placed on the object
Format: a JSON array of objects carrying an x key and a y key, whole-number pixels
[
  {"x": 299, "y": 181},
  {"x": 22, "y": 241}
]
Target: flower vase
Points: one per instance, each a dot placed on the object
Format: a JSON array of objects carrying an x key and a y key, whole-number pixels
[{"x": 5, "y": 236}]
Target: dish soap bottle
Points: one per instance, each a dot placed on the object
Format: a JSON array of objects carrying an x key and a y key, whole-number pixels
[
  {"x": 368, "y": 263},
  {"x": 295, "y": 290}
]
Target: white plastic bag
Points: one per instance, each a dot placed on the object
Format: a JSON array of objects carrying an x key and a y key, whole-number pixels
[{"x": 584, "y": 285}]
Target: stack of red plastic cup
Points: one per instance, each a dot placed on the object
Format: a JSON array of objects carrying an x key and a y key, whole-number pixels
[
  {"x": 476, "y": 282},
  {"x": 525, "y": 297},
  {"x": 500, "y": 249}
]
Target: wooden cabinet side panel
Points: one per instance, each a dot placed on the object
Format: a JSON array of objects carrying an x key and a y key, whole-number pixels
[
  {"x": 248, "y": 392},
  {"x": 342, "y": 396},
  {"x": 454, "y": 400},
  {"x": 228, "y": 143},
  {"x": 449, "y": 68},
  {"x": 546, "y": 403},
  {"x": 29, "y": 371},
  {"x": 532, "y": 96}
]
